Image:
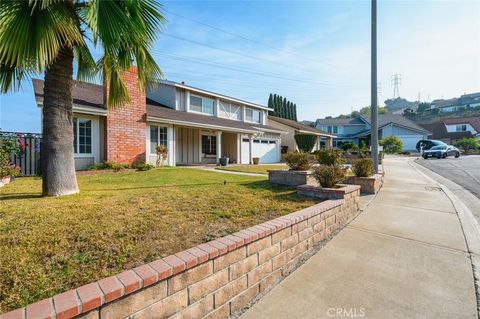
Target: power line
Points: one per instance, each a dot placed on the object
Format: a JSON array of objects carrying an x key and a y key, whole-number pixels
[
  {"x": 242, "y": 70},
  {"x": 243, "y": 37},
  {"x": 234, "y": 52}
]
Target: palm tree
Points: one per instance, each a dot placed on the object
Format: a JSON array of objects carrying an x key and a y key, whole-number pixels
[{"x": 47, "y": 36}]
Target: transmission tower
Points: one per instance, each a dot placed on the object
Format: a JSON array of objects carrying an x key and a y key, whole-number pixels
[{"x": 396, "y": 82}]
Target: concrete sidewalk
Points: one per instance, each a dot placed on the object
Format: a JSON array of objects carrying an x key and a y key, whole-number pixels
[{"x": 404, "y": 257}]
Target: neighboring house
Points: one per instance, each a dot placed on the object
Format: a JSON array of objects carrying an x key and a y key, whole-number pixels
[
  {"x": 197, "y": 126},
  {"x": 452, "y": 130},
  {"x": 293, "y": 128},
  {"x": 453, "y": 105},
  {"x": 358, "y": 129}
]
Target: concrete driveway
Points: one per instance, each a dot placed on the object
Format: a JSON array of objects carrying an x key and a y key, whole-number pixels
[
  {"x": 405, "y": 256},
  {"x": 464, "y": 171}
]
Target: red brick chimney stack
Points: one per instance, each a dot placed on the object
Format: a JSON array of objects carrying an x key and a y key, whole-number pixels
[{"x": 125, "y": 137}]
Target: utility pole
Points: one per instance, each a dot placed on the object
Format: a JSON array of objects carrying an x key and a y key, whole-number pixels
[
  {"x": 373, "y": 91},
  {"x": 396, "y": 81}
]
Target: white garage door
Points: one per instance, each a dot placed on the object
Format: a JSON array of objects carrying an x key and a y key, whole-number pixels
[
  {"x": 266, "y": 149},
  {"x": 410, "y": 141}
]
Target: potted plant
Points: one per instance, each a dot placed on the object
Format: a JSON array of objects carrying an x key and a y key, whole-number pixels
[
  {"x": 364, "y": 175},
  {"x": 7, "y": 173},
  {"x": 299, "y": 173},
  {"x": 224, "y": 160},
  {"x": 329, "y": 174},
  {"x": 162, "y": 155},
  {"x": 256, "y": 160}
]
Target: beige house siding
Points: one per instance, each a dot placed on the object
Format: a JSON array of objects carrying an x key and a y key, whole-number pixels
[
  {"x": 229, "y": 146},
  {"x": 287, "y": 139}
]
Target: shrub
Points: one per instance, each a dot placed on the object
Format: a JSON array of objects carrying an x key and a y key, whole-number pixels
[
  {"x": 9, "y": 171},
  {"x": 347, "y": 146},
  {"x": 142, "y": 166},
  {"x": 363, "y": 146},
  {"x": 305, "y": 142},
  {"x": 108, "y": 165},
  {"x": 391, "y": 144},
  {"x": 328, "y": 175},
  {"x": 468, "y": 144},
  {"x": 363, "y": 167},
  {"x": 329, "y": 156},
  {"x": 298, "y": 161}
]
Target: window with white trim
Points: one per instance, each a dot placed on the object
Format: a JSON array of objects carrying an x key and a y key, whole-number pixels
[
  {"x": 252, "y": 115},
  {"x": 461, "y": 128},
  {"x": 82, "y": 136},
  {"x": 202, "y": 104},
  {"x": 158, "y": 136}
]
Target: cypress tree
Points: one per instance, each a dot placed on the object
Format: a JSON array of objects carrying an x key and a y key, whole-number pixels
[
  {"x": 270, "y": 98},
  {"x": 285, "y": 108},
  {"x": 295, "y": 112}
]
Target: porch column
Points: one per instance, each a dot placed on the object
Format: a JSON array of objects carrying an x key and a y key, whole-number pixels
[
  {"x": 250, "y": 147},
  {"x": 239, "y": 148},
  {"x": 171, "y": 145},
  {"x": 219, "y": 146},
  {"x": 329, "y": 142}
]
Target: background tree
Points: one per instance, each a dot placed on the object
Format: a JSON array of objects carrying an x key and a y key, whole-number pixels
[
  {"x": 47, "y": 36},
  {"x": 305, "y": 143},
  {"x": 282, "y": 107}
]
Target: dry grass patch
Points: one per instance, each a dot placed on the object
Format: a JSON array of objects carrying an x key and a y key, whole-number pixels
[{"x": 118, "y": 221}]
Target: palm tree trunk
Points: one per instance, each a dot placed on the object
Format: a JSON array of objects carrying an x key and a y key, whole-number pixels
[{"x": 58, "y": 166}]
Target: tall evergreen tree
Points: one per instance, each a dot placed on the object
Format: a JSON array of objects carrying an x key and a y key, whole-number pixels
[
  {"x": 285, "y": 108},
  {"x": 295, "y": 112}
]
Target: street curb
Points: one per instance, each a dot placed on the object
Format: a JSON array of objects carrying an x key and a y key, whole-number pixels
[{"x": 470, "y": 226}]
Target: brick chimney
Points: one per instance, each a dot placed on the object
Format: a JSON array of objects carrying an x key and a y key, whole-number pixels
[{"x": 125, "y": 127}]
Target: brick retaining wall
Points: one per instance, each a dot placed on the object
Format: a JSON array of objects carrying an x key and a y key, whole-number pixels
[{"x": 212, "y": 280}]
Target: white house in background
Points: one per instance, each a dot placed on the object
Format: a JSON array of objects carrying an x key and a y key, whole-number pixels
[{"x": 197, "y": 126}]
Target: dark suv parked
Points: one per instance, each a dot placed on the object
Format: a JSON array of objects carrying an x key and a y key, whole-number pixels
[{"x": 428, "y": 144}]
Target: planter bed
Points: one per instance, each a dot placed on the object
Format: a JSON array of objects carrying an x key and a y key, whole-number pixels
[
  {"x": 216, "y": 279},
  {"x": 291, "y": 178},
  {"x": 369, "y": 185}
]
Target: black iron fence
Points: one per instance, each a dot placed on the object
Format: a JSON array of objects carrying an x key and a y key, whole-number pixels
[{"x": 29, "y": 158}]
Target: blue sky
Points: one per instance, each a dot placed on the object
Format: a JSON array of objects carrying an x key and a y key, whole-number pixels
[{"x": 315, "y": 53}]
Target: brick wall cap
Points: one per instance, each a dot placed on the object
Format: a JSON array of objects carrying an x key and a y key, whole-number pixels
[
  {"x": 112, "y": 288},
  {"x": 90, "y": 296},
  {"x": 67, "y": 305},
  {"x": 130, "y": 280},
  {"x": 41, "y": 310},
  {"x": 147, "y": 274},
  {"x": 189, "y": 259}
]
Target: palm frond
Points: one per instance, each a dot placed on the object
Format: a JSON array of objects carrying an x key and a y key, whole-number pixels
[
  {"x": 31, "y": 34},
  {"x": 87, "y": 68}
]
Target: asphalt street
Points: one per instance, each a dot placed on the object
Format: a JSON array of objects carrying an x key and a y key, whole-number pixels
[{"x": 464, "y": 171}]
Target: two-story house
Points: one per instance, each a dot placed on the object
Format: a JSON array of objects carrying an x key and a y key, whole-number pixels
[
  {"x": 195, "y": 125},
  {"x": 358, "y": 129},
  {"x": 454, "y": 129}
]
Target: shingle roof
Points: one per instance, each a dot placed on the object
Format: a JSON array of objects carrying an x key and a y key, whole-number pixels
[
  {"x": 83, "y": 93},
  {"x": 340, "y": 121},
  {"x": 298, "y": 126},
  {"x": 165, "y": 113},
  {"x": 385, "y": 119}
]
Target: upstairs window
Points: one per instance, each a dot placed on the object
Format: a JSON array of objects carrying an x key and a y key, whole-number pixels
[
  {"x": 202, "y": 104},
  {"x": 82, "y": 136},
  {"x": 252, "y": 115},
  {"x": 158, "y": 136},
  {"x": 461, "y": 128}
]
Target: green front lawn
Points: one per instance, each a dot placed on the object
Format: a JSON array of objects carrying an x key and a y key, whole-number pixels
[
  {"x": 118, "y": 221},
  {"x": 258, "y": 169}
]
